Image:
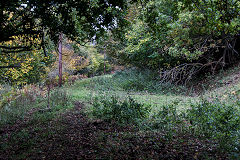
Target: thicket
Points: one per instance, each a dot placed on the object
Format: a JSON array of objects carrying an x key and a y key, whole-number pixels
[
  {"x": 78, "y": 62},
  {"x": 180, "y": 39},
  {"x": 33, "y": 67},
  {"x": 23, "y": 67}
]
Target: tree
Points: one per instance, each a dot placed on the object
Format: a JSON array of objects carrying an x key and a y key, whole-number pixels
[
  {"x": 60, "y": 60},
  {"x": 182, "y": 38},
  {"x": 34, "y": 20},
  {"x": 78, "y": 20}
]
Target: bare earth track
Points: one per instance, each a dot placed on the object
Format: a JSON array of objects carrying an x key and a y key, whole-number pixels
[{"x": 73, "y": 136}]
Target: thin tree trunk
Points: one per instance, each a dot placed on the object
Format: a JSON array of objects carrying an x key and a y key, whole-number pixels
[
  {"x": 60, "y": 60},
  {"x": 104, "y": 61},
  {"x": 49, "y": 88}
]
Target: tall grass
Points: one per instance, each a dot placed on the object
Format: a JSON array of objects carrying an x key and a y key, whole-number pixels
[{"x": 17, "y": 103}]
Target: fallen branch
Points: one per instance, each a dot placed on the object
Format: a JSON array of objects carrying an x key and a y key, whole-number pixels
[{"x": 183, "y": 73}]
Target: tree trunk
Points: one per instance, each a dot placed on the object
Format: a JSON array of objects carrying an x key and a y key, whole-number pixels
[
  {"x": 104, "y": 61},
  {"x": 60, "y": 60}
]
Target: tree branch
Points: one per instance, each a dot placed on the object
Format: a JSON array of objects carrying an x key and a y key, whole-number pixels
[
  {"x": 14, "y": 47},
  {"x": 10, "y": 66},
  {"x": 15, "y": 51}
]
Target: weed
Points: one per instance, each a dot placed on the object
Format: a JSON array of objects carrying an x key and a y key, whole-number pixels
[
  {"x": 217, "y": 121},
  {"x": 21, "y": 104},
  {"x": 122, "y": 112}
]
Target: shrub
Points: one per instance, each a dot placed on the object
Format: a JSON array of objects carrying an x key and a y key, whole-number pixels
[
  {"x": 122, "y": 112},
  {"x": 166, "y": 118},
  {"x": 59, "y": 97},
  {"x": 217, "y": 121},
  {"x": 208, "y": 120}
]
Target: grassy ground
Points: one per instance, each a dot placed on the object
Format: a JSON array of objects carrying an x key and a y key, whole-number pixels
[
  {"x": 107, "y": 86},
  {"x": 68, "y": 130}
]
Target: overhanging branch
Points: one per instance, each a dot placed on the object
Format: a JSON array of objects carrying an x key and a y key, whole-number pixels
[
  {"x": 14, "y": 47},
  {"x": 10, "y": 66},
  {"x": 15, "y": 51}
]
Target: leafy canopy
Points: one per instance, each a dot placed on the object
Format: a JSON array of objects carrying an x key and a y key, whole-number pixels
[
  {"x": 180, "y": 38},
  {"x": 27, "y": 28},
  {"x": 78, "y": 20}
]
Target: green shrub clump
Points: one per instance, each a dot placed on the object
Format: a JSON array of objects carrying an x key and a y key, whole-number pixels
[
  {"x": 217, "y": 121},
  {"x": 121, "y": 112}
]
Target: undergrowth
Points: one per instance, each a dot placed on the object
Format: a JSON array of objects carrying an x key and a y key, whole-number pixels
[
  {"x": 17, "y": 103},
  {"x": 216, "y": 121},
  {"x": 134, "y": 98},
  {"x": 115, "y": 110},
  {"x": 135, "y": 80}
]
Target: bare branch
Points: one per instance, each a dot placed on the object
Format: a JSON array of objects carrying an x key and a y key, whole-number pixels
[{"x": 185, "y": 72}]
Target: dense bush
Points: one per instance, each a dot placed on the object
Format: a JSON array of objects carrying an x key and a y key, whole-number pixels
[
  {"x": 122, "y": 112},
  {"x": 167, "y": 118},
  {"x": 32, "y": 70},
  {"x": 213, "y": 121},
  {"x": 180, "y": 39},
  {"x": 217, "y": 121},
  {"x": 98, "y": 65}
]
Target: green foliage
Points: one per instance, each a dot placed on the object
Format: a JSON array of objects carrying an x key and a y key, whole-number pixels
[
  {"x": 78, "y": 20},
  {"x": 167, "y": 118},
  {"x": 112, "y": 47},
  {"x": 39, "y": 23},
  {"x": 217, "y": 121},
  {"x": 122, "y": 112},
  {"x": 138, "y": 50},
  {"x": 16, "y": 104},
  {"x": 31, "y": 69},
  {"x": 144, "y": 80},
  {"x": 97, "y": 64},
  {"x": 191, "y": 34},
  {"x": 214, "y": 121},
  {"x": 188, "y": 25}
]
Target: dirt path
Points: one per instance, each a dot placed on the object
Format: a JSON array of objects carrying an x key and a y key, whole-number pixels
[{"x": 73, "y": 136}]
